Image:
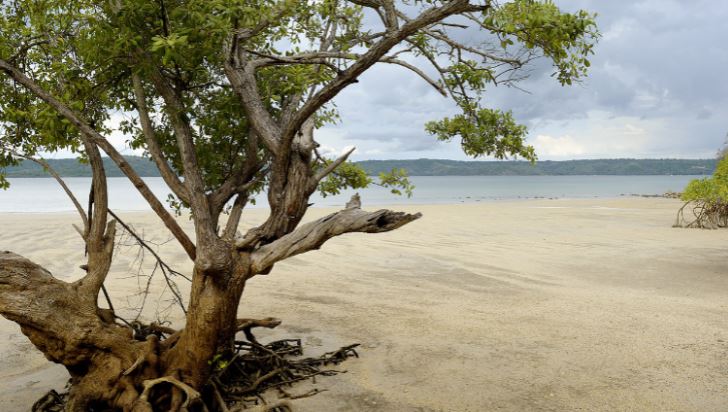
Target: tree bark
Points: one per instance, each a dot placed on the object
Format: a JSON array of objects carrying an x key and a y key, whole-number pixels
[
  {"x": 64, "y": 324},
  {"x": 108, "y": 367},
  {"x": 211, "y": 321}
]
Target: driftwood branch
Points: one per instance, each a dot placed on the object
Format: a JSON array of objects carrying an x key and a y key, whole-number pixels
[
  {"x": 191, "y": 395},
  {"x": 314, "y": 234}
]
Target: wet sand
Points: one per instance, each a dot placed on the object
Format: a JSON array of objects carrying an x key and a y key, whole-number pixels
[{"x": 545, "y": 305}]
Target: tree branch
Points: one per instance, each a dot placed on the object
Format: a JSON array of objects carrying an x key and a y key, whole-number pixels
[
  {"x": 231, "y": 226},
  {"x": 107, "y": 147},
  {"x": 198, "y": 201},
  {"x": 99, "y": 263},
  {"x": 61, "y": 182},
  {"x": 314, "y": 234},
  {"x": 240, "y": 182},
  {"x": 242, "y": 79},
  {"x": 372, "y": 56},
  {"x": 331, "y": 167},
  {"x": 320, "y": 58},
  {"x": 100, "y": 197},
  {"x": 155, "y": 151}
]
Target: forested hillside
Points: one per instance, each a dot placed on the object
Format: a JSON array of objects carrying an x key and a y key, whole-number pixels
[{"x": 435, "y": 167}]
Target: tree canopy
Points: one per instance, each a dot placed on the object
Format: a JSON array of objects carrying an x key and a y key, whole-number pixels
[{"x": 233, "y": 68}]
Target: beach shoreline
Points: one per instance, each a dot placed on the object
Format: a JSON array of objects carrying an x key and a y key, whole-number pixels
[{"x": 594, "y": 304}]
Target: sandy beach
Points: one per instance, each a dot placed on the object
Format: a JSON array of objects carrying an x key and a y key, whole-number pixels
[{"x": 543, "y": 305}]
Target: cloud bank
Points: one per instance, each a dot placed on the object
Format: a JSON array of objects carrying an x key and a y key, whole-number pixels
[{"x": 656, "y": 89}]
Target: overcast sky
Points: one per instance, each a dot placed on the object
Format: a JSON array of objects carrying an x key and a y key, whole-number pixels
[{"x": 657, "y": 88}]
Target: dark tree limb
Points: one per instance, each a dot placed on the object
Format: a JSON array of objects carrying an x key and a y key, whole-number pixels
[{"x": 314, "y": 234}]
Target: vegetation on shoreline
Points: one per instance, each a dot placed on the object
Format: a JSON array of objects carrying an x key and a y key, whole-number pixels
[
  {"x": 434, "y": 167},
  {"x": 428, "y": 167},
  {"x": 706, "y": 201}
]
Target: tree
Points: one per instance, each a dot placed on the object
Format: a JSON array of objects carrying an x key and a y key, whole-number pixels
[
  {"x": 707, "y": 198},
  {"x": 225, "y": 97}
]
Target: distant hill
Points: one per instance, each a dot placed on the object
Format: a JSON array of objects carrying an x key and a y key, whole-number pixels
[
  {"x": 73, "y": 168},
  {"x": 435, "y": 167},
  {"x": 431, "y": 167}
]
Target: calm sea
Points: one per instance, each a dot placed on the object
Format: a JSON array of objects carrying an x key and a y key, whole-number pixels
[{"x": 35, "y": 195}]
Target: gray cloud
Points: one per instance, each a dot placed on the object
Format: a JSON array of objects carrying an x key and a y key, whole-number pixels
[{"x": 656, "y": 89}]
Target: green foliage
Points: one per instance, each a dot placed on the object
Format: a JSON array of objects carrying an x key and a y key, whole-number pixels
[
  {"x": 397, "y": 180},
  {"x": 540, "y": 29},
  {"x": 711, "y": 190},
  {"x": 488, "y": 132},
  {"x": 707, "y": 200},
  {"x": 346, "y": 176},
  {"x": 567, "y": 39},
  {"x": 85, "y": 53},
  {"x": 352, "y": 176}
]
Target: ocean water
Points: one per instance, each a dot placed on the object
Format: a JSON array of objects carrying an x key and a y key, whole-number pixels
[{"x": 40, "y": 195}]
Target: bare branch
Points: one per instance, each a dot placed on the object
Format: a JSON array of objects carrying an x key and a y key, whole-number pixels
[
  {"x": 390, "y": 15},
  {"x": 198, "y": 201},
  {"x": 155, "y": 151},
  {"x": 321, "y": 59},
  {"x": 191, "y": 395},
  {"x": 240, "y": 182},
  {"x": 99, "y": 197},
  {"x": 234, "y": 219},
  {"x": 99, "y": 263},
  {"x": 331, "y": 167},
  {"x": 243, "y": 81},
  {"x": 371, "y": 57},
  {"x": 418, "y": 72},
  {"x": 314, "y": 234}
]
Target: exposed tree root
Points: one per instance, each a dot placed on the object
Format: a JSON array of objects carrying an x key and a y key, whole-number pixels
[
  {"x": 702, "y": 215},
  {"x": 240, "y": 380},
  {"x": 50, "y": 402}
]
